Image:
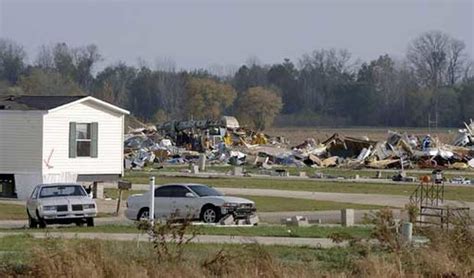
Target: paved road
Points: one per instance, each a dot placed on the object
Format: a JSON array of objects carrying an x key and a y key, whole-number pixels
[
  {"x": 99, "y": 221},
  {"x": 286, "y": 241}
]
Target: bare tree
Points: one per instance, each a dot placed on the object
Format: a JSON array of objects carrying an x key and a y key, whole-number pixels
[
  {"x": 85, "y": 58},
  {"x": 44, "y": 58},
  {"x": 456, "y": 61},
  {"x": 12, "y": 56},
  {"x": 166, "y": 64},
  {"x": 428, "y": 56},
  {"x": 252, "y": 60},
  {"x": 322, "y": 72}
]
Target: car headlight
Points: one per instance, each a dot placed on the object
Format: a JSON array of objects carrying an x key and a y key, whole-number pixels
[
  {"x": 230, "y": 205},
  {"x": 88, "y": 206},
  {"x": 49, "y": 208}
]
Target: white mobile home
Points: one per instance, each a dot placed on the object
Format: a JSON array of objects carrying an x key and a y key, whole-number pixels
[{"x": 47, "y": 139}]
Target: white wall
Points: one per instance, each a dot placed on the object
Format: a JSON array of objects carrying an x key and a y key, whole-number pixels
[
  {"x": 56, "y": 140},
  {"x": 21, "y": 141},
  {"x": 25, "y": 183}
]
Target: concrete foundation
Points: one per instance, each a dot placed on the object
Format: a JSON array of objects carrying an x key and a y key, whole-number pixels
[
  {"x": 98, "y": 191},
  {"x": 299, "y": 221},
  {"x": 194, "y": 169},
  {"x": 407, "y": 232},
  {"x": 227, "y": 220},
  {"x": 202, "y": 162},
  {"x": 237, "y": 171},
  {"x": 347, "y": 217}
]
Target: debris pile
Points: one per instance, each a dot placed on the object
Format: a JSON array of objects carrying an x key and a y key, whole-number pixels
[{"x": 225, "y": 142}]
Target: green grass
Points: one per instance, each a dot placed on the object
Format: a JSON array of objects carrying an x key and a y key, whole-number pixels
[
  {"x": 294, "y": 171},
  {"x": 12, "y": 212},
  {"x": 261, "y": 230},
  {"x": 451, "y": 192},
  {"x": 273, "y": 204},
  {"x": 114, "y": 193},
  {"x": 16, "y": 252}
]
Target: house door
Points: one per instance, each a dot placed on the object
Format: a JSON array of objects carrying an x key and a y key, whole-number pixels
[{"x": 7, "y": 186}]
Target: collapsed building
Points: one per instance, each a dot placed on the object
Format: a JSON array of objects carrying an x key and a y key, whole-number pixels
[{"x": 225, "y": 142}]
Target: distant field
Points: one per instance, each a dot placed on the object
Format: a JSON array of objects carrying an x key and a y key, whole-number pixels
[{"x": 297, "y": 135}]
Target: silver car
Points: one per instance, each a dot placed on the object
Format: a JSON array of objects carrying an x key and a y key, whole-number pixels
[
  {"x": 189, "y": 201},
  {"x": 60, "y": 204}
]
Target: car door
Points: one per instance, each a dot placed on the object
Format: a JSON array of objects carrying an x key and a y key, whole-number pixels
[
  {"x": 32, "y": 202},
  {"x": 163, "y": 202},
  {"x": 185, "y": 207}
]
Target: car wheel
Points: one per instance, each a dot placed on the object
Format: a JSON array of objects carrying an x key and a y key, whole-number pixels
[
  {"x": 79, "y": 223},
  {"x": 90, "y": 222},
  {"x": 41, "y": 222},
  {"x": 210, "y": 214},
  {"x": 32, "y": 223},
  {"x": 144, "y": 214}
]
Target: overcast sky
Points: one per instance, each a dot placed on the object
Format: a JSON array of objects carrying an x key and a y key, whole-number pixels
[{"x": 198, "y": 34}]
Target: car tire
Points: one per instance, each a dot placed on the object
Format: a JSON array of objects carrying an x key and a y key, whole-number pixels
[
  {"x": 32, "y": 223},
  {"x": 79, "y": 223},
  {"x": 41, "y": 222},
  {"x": 210, "y": 214},
  {"x": 90, "y": 222},
  {"x": 143, "y": 214}
]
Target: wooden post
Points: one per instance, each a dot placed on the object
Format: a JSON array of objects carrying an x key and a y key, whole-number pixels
[{"x": 118, "y": 202}]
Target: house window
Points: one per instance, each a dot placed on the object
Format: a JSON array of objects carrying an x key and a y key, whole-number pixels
[{"x": 83, "y": 139}]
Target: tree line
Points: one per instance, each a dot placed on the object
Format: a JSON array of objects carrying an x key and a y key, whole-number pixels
[{"x": 435, "y": 80}]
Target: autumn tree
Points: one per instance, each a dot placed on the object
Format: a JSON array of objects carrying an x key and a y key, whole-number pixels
[
  {"x": 42, "y": 82},
  {"x": 207, "y": 99},
  {"x": 258, "y": 107}
]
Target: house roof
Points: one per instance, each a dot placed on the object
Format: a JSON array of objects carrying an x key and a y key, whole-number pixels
[
  {"x": 50, "y": 103},
  {"x": 35, "y": 102}
]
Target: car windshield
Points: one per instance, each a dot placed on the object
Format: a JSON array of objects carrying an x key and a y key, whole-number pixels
[
  {"x": 203, "y": 191},
  {"x": 62, "y": 191}
]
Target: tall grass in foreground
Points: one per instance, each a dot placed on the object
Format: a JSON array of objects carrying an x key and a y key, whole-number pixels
[{"x": 449, "y": 253}]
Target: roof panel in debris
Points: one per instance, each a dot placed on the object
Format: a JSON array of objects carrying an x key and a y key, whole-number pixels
[{"x": 35, "y": 102}]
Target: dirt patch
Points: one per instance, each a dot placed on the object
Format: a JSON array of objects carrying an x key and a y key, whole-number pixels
[{"x": 299, "y": 134}]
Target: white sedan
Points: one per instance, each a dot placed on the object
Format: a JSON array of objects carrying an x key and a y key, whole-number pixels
[
  {"x": 189, "y": 201},
  {"x": 60, "y": 204}
]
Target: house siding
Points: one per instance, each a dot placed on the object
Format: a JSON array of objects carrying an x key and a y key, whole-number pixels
[
  {"x": 56, "y": 141},
  {"x": 20, "y": 141},
  {"x": 21, "y": 148}
]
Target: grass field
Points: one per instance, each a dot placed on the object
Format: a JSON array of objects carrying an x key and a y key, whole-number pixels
[
  {"x": 12, "y": 212},
  {"x": 261, "y": 230},
  {"x": 77, "y": 258},
  {"x": 451, "y": 193},
  {"x": 275, "y": 204}
]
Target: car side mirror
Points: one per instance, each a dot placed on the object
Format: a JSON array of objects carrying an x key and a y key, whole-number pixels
[{"x": 190, "y": 195}]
